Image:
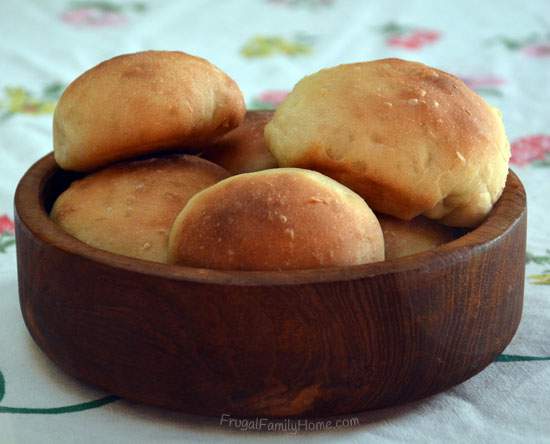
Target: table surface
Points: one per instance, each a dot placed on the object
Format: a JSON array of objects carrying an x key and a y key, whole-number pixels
[{"x": 500, "y": 49}]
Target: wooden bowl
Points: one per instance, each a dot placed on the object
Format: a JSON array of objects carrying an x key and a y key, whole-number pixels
[{"x": 293, "y": 343}]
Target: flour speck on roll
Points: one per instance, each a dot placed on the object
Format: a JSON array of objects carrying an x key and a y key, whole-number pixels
[
  {"x": 140, "y": 103},
  {"x": 278, "y": 219},
  {"x": 129, "y": 208},
  {"x": 410, "y": 139}
]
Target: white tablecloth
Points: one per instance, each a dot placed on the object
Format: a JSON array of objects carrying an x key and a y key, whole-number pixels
[{"x": 501, "y": 49}]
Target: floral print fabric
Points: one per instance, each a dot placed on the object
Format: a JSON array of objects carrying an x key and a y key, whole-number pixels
[{"x": 499, "y": 49}]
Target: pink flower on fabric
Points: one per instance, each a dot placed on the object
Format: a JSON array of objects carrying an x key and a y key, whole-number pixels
[
  {"x": 93, "y": 17},
  {"x": 529, "y": 149},
  {"x": 537, "y": 50},
  {"x": 269, "y": 99},
  {"x": 486, "y": 81},
  {"x": 6, "y": 225},
  {"x": 533, "y": 45},
  {"x": 409, "y": 37},
  {"x": 404, "y": 42},
  {"x": 425, "y": 36},
  {"x": 273, "y": 97}
]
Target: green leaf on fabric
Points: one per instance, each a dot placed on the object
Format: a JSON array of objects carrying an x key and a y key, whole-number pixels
[
  {"x": 5, "y": 242},
  {"x": 511, "y": 44},
  {"x": 53, "y": 410},
  {"x": 2, "y": 386},
  {"x": 489, "y": 92},
  {"x": 516, "y": 358},
  {"x": 393, "y": 29},
  {"x": 59, "y": 410},
  {"x": 539, "y": 260},
  {"x": 515, "y": 44},
  {"x": 53, "y": 91},
  {"x": 139, "y": 7},
  {"x": 540, "y": 279},
  {"x": 265, "y": 46},
  {"x": 6, "y": 115},
  {"x": 259, "y": 105},
  {"x": 99, "y": 5}
]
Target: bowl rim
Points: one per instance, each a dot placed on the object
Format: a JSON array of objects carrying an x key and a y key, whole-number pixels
[{"x": 31, "y": 214}]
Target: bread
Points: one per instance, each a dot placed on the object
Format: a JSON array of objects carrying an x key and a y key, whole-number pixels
[
  {"x": 403, "y": 238},
  {"x": 243, "y": 150},
  {"x": 129, "y": 208},
  {"x": 140, "y": 103},
  {"x": 410, "y": 139},
  {"x": 278, "y": 219}
]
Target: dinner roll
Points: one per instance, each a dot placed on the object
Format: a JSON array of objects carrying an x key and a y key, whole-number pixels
[
  {"x": 243, "y": 150},
  {"x": 129, "y": 208},
  {"x": 139, "y": 103},
  {"x": 277, "y": 219},
  {"x": 406, "y": 237},
  {"x": 408, "y": 138}
]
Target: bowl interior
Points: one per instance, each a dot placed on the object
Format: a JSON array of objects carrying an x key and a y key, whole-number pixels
[{"x": 45, "y": 181}]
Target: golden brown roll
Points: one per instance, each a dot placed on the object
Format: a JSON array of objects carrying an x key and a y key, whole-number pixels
[
  {"x": 277, "y": 219},
  {"x": 243, "y": 150},
  {"x": 139, "y": 103},
  {"x": 129, "y": 208},
  {"x": 406, "y": 237},
  {"x": 410, "y": 139}
]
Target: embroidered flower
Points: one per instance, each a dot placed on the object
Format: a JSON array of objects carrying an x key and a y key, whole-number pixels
[
  {"x": 269, "y": 99},
  {"x": 484, "y": 84},
  {"x": 265, "y": 46},
  {"x": 7, "y": 233},
  {"x": 530, "y": 149},
  {"x": 534, "y": 45},
  {"x": 537, "y": 50},
  {"x": 19, "y": 100},
  {"x": 6, "y": 225},
  {"x": 408, "y": 37},
  {"x": 99, "y": 13}
]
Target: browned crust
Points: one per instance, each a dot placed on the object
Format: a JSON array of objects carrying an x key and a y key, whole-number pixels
[
  {"x": 409, "y": 138},
  {"x": 243, "y": 150},
  {"x": 138, "y": 103},
  {"x": 129, "y": 208},
  {"x": 275, "y": 220},
  {"x": 403, "y": 238}
]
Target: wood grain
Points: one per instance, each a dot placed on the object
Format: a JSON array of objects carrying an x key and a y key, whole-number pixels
[{"x": 300, "y": 343}]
